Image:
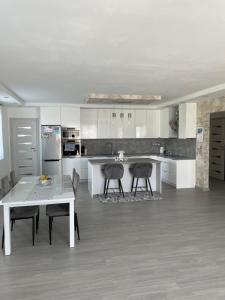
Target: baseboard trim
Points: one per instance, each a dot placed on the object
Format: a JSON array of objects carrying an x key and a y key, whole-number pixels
[{"x": 202, "y": 189}]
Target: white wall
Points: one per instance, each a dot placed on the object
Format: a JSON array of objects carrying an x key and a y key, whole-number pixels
[
  {"x": 23, "y": 112},
  {"x": 5, "y": 163}
]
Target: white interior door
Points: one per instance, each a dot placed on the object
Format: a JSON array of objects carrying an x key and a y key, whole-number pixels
[{"x": 25, "y": 147}]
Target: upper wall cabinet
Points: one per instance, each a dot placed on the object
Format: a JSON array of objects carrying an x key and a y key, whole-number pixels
[
  {"x": 187, "y": 120},
  {"x": 128, "y": 117},
  {"x": 141, "y": 124},
  {"x": 50, "y": 115},
  {"x": 122, "y": 123},
  {"x": 66, "y": 116},
  {"x": 89, "y": 123},
  {"x": 153, "y": 123},
  {"x": 70, "y": 116},
  {"x": 104, "y": 124},
  {"x": 167, "y": 115},
  {"x": 116, "y": 124}
]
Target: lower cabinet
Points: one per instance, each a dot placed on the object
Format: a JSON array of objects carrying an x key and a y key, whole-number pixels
[
  {"x": 69, "y": 163},
  {"x": 79, "y": 163},
  {"x": 179, "y": 173},
  {"x": 168, "y": 170},
  {"x": 84, "y": 168}
]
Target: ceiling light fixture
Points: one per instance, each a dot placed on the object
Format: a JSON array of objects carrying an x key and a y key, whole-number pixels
[{"x": 122, "y": 98}]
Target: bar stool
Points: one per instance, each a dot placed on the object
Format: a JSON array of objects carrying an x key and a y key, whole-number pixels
[
  {"x": 141, "y": 170},
  {"x": 113, "y": 172}
]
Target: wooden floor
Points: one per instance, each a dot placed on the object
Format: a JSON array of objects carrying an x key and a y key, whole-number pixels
[{"x": 170, "y": 249}]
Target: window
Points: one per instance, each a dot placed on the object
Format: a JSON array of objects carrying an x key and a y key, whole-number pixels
[{"x": 1, "y": 137}]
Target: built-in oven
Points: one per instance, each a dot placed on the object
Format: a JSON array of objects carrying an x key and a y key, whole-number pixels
[
  {"x": 70, "y": 133},
  {"x": 71, "y": 148},
  {"x": 71, "y": 143}
]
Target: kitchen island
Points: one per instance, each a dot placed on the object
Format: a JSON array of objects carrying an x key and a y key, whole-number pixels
[{"x": 96, "y": 178}]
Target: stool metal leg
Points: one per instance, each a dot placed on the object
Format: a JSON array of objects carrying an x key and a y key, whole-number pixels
[
  {"x": 121, "y": 187},
  {"x": 132, "y": 185},
  {"x": 150, "y": 186},
  {"x": 146, "y": 180},
  {"x": 107, "y": 187},
  {"x": 136, "y": 187}
]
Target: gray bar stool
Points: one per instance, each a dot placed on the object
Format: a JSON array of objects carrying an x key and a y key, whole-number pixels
[
  {"x": 141, "y": 170},
  {"x": 113, "y": 172}
]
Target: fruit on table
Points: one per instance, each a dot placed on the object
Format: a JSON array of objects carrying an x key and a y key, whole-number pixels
[{"x": 44, "y": 177}]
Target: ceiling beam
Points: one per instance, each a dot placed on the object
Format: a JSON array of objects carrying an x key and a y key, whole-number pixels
[{"x": 195, "y": 96}]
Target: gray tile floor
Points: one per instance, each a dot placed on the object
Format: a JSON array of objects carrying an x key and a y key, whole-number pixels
[{"x": 170, "y": 249}]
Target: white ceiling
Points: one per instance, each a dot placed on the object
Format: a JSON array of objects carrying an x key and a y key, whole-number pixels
[{"x": 61, "y": 51}]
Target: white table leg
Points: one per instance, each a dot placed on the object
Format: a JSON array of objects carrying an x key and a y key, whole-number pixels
[
  {"x": 72, "y": 235},
  {"x": 7, "y": 230},
  {"x": 158, "y": 178}
]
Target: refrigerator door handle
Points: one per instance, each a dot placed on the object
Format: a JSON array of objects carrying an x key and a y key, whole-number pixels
[{"x": 52, "y": 159}]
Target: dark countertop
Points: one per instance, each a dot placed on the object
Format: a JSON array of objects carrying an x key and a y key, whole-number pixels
[
  {"x": 128, "y": 161},
  {"x": 173, "y": 157}
]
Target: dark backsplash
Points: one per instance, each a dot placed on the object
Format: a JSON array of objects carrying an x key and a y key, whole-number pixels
[{"x": 178, "y": 147}]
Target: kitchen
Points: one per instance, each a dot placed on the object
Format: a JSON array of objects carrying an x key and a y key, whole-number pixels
[{"x": 95, "y": 133}]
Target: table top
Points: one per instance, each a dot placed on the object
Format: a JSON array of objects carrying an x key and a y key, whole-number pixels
[
  {"x": 125, "y": 162},
  {"x": 28, "y": 191}
]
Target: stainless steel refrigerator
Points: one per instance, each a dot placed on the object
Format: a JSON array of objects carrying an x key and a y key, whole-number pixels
[{"x": 51, "y": 150}]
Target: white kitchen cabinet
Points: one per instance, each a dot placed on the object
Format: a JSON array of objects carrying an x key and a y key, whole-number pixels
[
  {"x": 153, "y": 123},
  {"x": 179, "y": 173},
  {"x": 128, "y": 123},
  {"x": 79, "y": 163},
  {"x": 69, "y": 163},
  {"x": 168, "y": 169},
  {"x": 187, "y": 120},
  {"x": 84, "y": 168},
  {"x": 89, "y": 123},
  {"x": 141, "y": 124},
  {"x": 104, "y": 123},
  {"x": 50, "y": 115},
  {"x": 116, "y": 124},
  {"x": 166, "y": 115},
  {"x": 122, "y": 123},
  {"x": 70, "y": 117}
]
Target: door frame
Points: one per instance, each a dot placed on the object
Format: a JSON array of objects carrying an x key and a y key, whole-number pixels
[{"x": 37, "y": 137}]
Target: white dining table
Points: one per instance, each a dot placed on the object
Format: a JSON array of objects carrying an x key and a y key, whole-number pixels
[{"x": 28, "y": 191}]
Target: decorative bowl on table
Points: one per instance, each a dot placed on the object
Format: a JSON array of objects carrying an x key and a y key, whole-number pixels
[{"x": 45, "y": 180}]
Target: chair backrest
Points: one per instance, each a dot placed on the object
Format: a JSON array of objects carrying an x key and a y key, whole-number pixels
[
  {"x": 73, "y": 175},
  {"x": 141, "y": 170},
  {"x": 1, "y": 194},
  {"x": 76, "y": 183},
  {"x": 6, "y": 187},
  {"x": 113, "y": 171},
  {"x": 13, "y": 178}
]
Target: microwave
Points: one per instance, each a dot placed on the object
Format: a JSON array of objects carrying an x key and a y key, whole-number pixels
[{"x": 70, "y": 133}]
